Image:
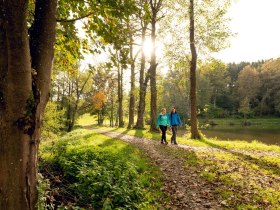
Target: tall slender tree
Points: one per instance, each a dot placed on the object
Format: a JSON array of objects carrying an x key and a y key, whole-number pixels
[
  {"x": 194, "y": 130},
  {"x": 144, "y": 17},
  {"x": 132, "y": 61},
  {"x": 155, "y": 5}
]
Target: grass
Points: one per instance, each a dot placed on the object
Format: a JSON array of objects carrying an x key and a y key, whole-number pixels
[
  {"x": 265, "y": 123},
  {"x": 99, "y": 172}
]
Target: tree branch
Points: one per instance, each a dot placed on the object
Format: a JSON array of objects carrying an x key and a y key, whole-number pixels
[{"x": 74, "y": 19}]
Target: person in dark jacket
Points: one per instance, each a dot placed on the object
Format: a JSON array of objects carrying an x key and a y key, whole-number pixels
[
  {"x": 175, "y": 121},
  {"x": 162, "y": 123}
]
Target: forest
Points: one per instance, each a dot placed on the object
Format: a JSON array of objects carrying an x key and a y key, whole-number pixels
[{"x": 82, "y": 87}]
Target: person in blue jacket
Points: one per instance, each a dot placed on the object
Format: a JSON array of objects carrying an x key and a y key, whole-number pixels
[
  {"x": 175, "y": 121},
  {"x": 162, "y": 123}
]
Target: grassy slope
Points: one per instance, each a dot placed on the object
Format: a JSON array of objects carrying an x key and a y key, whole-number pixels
[
  {"x": 100, "y": 172},
  {"x": 242, "y": 181}
]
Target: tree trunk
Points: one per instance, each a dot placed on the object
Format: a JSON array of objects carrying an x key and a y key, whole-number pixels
[
  {"x": 24, "y": 93},
  {"x": 112, "y": 112},
  {"x": 103, "y": 110},
  {"x": 117, "y": 119},
  {"x": 74, "y": 107},
  {"x": 98, "y": 118},
  {"x": 69, "y": 106},
  {"x": 120, "y": 96},
  {"x": 132, "y": 87},
  {"x": 143, "y": 85},
  {"x": 194, "y": 131},
  {"x": 153, "y": 83}
]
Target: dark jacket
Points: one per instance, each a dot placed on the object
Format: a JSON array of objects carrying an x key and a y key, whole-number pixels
[{"x": 174, "y": 119}]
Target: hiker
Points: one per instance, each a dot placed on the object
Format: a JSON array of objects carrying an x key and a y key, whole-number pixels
[
  {"x": 162, "y": 123},
  {"x": 174, "y": 122}
]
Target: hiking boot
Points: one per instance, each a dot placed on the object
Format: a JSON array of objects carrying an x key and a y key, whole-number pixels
[{"x": 162, "y": 142}]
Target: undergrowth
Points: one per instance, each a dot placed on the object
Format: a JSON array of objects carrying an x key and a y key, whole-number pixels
[{"x": 87, "y": 170}]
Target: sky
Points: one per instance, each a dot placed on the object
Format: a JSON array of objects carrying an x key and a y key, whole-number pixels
[{"x": 257, "y": 24}]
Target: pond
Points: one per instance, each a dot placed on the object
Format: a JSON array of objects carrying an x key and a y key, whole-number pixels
[{"x": 265, "y": 135}]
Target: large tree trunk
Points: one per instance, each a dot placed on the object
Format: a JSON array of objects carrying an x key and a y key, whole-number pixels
[
  {"x": 153, "y": 84},
  {"x": 143, "y": 84},
  {"x": 23, "y": 97},
  {"x": 194, "y": 130}
]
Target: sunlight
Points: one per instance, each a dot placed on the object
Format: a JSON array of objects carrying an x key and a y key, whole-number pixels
[{"x": 148, "y": 47}]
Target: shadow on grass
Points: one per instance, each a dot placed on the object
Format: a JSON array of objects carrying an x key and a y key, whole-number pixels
[
  {"x": 90, "y": 135},
  {"x": 139, "y": 133},
  {"x": 274, "y": 168},
  {"x": 107, "y": 143}
]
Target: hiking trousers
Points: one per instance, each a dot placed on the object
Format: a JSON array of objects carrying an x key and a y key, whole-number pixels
[
  {"x": 174, "y": 134},
  {"x": 163, "y": 133}
]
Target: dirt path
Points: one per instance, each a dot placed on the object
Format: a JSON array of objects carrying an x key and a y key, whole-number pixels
[{"x": 186, "y": 189}]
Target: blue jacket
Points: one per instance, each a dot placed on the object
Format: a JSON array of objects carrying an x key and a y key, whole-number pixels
[
  {"x": 162, "y": 120},
  {"x": 174, "y": 119}
]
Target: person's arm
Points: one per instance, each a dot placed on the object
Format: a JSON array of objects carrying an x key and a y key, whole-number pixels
[
  {"x": 157, "y": 123},
  {"x": 168, "y": 120},
  {"x": 180, "y": 122}
]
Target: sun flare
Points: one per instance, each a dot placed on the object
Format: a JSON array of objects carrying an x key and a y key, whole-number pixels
[{"x": 147, "y": 47}]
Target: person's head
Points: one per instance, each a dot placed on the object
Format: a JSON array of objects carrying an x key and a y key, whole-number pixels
[
  {"x": 163, "y": 111},
  {"x": 173, "y": 110}
]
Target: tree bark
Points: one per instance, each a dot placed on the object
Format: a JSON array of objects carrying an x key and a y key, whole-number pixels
[
  {"x": 143, "y": 84},
  {"x": 73, "y": 108},
  {"x": 120, "y": 96},
  {"x": 194, "y": 131},
  {"x": 153, "y": 67},
  {"x": 132, "y": 87},
  {"x": 69, "y": 107},
  {"x": 23, "y": 96},
  {"x": 112, "y": 107},
  {"x": 112, "y": 114}
]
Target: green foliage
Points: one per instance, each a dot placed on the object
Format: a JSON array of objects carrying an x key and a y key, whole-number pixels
[
  {"x": 212, "y": 31},
  {"x": 210, "y": 112},
  {"x": 53, "y": 122},
  {"x": 175, "y": 89},
  {"x": 103, "y": 173},
  {"x": 43, "y": 193},
  {"x": 269, "y": 93}
]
